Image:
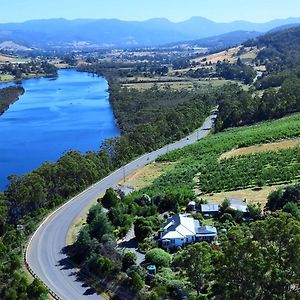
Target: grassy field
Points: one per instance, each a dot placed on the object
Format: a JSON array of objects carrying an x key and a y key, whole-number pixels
[
  {"x": 145, "y": 176},
  {"x": 11, "y": 59},
  {"x": 231, "y": 55},
  {"x": 228, "y": 55},
  {"x": 285, "y": 144},
  {"x": 4, "y": 78},
  {"x": 254, "y": 195},
  {"x": 4, "y": 59},
  {"x": 188, "y": 84}
]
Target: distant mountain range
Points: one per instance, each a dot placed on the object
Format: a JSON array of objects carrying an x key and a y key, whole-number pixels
[{"x": 117, "y": 33}]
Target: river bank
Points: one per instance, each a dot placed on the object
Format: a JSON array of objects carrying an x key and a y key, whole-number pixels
[
  {"x": 55, "y": 115},
  {"x": 8, "y": 96}
]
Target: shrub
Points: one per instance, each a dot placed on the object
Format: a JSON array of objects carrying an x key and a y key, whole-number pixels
[
  {"x": 137, "y": 282},
  {"x": 129, "y": 259},
  {"x": 110, "y": 199},
  {"x": 159, "y": 257}
]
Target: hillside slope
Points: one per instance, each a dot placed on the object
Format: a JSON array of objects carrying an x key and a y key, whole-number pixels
[{"x": 280, "y": 49}]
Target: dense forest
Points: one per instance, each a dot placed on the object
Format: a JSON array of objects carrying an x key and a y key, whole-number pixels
[
  {"x": 8, "y": 96},
  {"x": 273, "y": 80},
  {"x": 246, "y": 108},
  {"x": 236, "y": 71}
]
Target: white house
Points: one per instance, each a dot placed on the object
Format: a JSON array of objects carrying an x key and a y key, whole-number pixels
[{"x": 182, "y": 229}]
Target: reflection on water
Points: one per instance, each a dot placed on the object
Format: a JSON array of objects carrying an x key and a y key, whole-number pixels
[{"x": 71, "y": 112}]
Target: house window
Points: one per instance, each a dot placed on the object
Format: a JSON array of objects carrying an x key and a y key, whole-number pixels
[
  {"x": 173, "y": 241},
  {"x": 186, "y": 240}
]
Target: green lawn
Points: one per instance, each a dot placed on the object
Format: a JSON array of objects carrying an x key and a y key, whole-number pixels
[{"x": 4, "y": 78}]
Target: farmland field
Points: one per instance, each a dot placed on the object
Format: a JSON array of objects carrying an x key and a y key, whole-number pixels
[
  {"x": 188, "y": 84},
  {"x": 198, "y": 165}
]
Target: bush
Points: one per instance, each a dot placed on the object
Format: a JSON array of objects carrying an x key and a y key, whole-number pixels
[
  {"x": 293, "y": 209},
  {"x": 36, "y": 290},
  {"x": 100, "y": 266},
  {"x": 129, "y": 259},
  {"x": 226, "y": 217},
  {"x": 110, "y": 199},
  {"x": 142, "y": 228},
  {"x": 137, "y": 282},
  {"x": 159, "y": 257},
  {"x": 163, "y": 277},
  {"x": 161, "y": 292}
]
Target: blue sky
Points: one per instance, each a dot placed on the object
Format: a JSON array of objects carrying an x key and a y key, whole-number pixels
[{"x": 174, "y": 10}]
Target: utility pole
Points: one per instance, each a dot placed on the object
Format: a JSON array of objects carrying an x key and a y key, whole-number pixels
[{"x": 124, "y": 176}]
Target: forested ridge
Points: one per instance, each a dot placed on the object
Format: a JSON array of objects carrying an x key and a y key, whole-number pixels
[
  {"x": 8, "y": 96},
  {"x": 279, "y": 86},
  {"x": 280, "y": 49},
  {"x": 245, "y": 108}
]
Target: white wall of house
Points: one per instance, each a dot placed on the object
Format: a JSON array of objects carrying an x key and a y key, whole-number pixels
[{"x": 179, "y": 242}]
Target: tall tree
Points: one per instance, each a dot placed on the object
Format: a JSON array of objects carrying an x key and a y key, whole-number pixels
[
  {"x": 196, "y": 262},
  {"x": 260, "y": 262}
]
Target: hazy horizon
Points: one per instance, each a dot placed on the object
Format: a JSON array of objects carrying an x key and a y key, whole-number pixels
[
  {"x": 175, "y": 11},
  {"x": 149, "y": 19}
]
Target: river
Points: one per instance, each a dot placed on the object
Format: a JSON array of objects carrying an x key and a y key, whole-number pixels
[{"x": 70, "y": 112}]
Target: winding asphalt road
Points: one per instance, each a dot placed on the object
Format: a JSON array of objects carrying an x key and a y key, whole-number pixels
[{"x": 44, "y": 252}]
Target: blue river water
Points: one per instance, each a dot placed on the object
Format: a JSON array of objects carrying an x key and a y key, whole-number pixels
[{"x": 70, "y": 112}]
